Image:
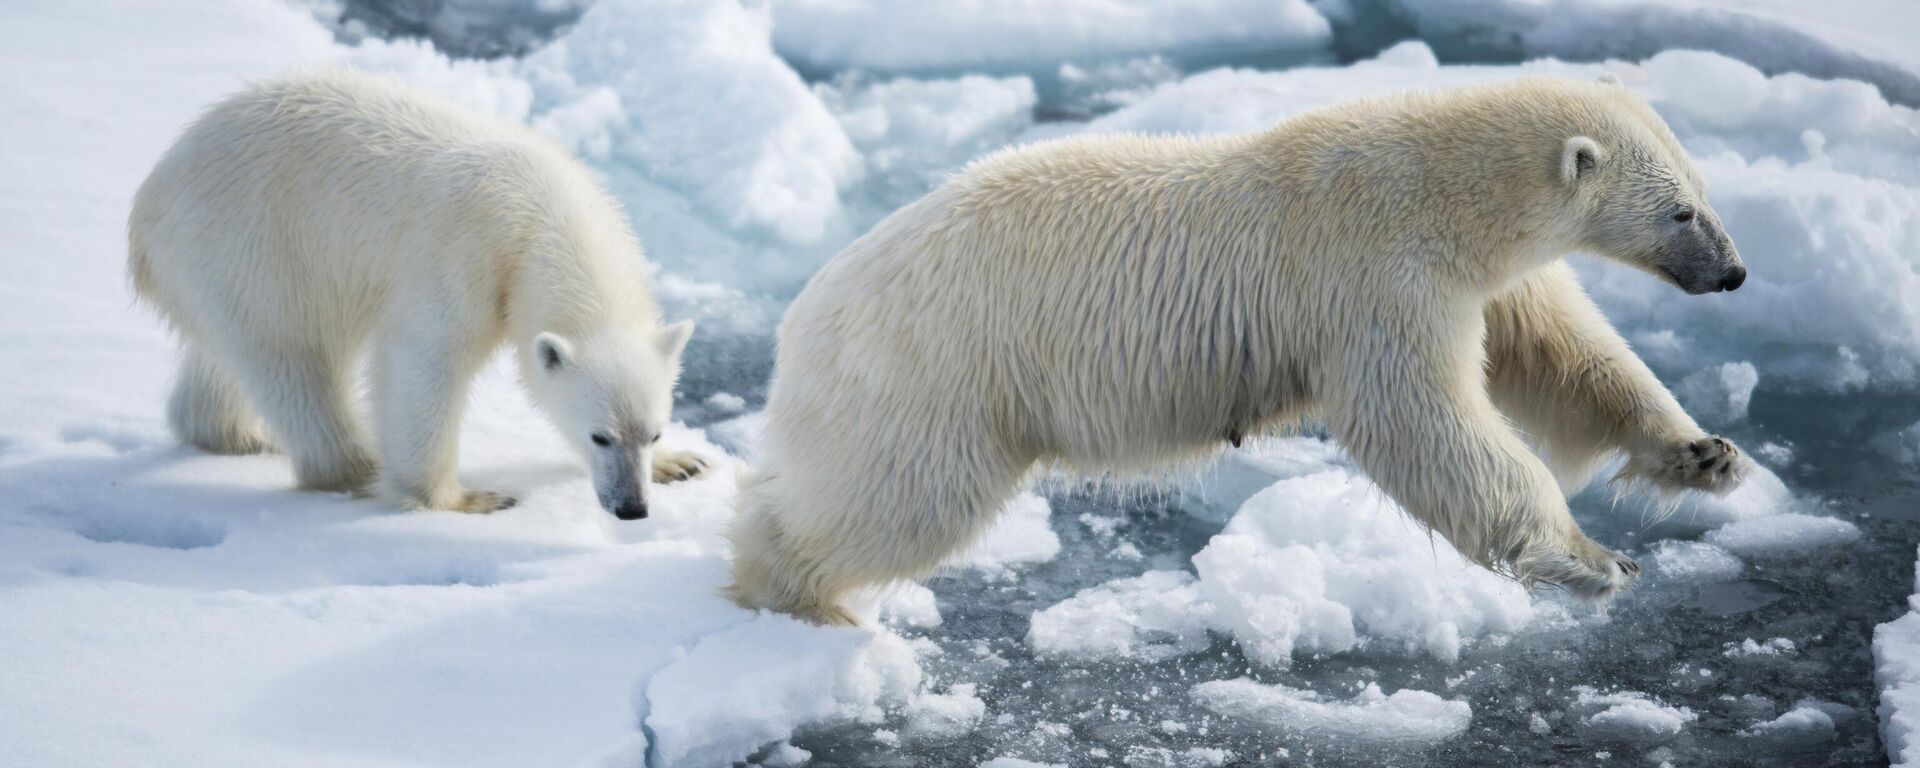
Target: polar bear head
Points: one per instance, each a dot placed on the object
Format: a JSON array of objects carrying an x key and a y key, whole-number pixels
[
  {"x": 1639, "y": 201},
  {"x": 611, "y": 394}
]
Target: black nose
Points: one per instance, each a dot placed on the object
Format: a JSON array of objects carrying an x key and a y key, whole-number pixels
[
  {"x": 1734, "y": 278},
  {"x": 631, "y": 511}
]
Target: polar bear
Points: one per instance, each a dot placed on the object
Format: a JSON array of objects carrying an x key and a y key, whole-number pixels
[
  {"x": 1115, "y": 304},
  {"x": 301, "y": 219}
]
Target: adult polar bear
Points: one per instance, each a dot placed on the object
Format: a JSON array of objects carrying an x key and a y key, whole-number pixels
[
  {"x": 1116, "y": 303},
  {"x": 301, "y": 217}
]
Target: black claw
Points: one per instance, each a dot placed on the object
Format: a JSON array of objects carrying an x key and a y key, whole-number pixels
[{"x": 1631, "y": 567}]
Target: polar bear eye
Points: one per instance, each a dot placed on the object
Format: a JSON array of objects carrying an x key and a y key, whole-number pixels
[
  {"x": 601, "y": 439},
  {"x": 1684, "y": 216},
  {"x": 656, "y": 438}
]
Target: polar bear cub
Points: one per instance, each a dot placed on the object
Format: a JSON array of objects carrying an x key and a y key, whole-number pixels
[
  {"x": 1119, "y": 303},
  {"x": 312, "y": 221}
]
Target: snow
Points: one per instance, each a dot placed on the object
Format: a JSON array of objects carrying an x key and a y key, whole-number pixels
[
  {"x": 201, "y": 596},
  {"x": 1405, "y": 717},
  {"x": 1004, "y": 35}
]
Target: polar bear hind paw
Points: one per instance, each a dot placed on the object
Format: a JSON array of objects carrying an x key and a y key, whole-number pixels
[
  {"x": 672, "y": 466},
  {"x": 1587, "y": 571}
]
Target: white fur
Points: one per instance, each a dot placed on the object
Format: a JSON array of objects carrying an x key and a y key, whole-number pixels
[
  {"x": 312, "y": 218},
  {"x": 1118, "y": 303}
]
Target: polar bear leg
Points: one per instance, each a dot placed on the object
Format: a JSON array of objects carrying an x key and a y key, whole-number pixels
[
  {"x": 303, "y": 393},
  {"x": 1561, "y": 372},
  {"x": 421, "y": 369},
  {"x": 823, "y": 525},
  {"x": 1425, "y": 430},
  {"x": 208, "y": 412}
]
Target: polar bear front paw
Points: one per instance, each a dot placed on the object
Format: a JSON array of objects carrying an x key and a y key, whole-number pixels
[
  {"x": 1712, "y": 464},
  {"x": 483, "y": 502},
  {"x": 669, "y": 466},
  {"x": 1586, "y": 570}
]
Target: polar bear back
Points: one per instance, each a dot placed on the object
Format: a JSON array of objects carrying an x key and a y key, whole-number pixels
[
  {"x": 1109, "y": 295},
  {"x": 321, "y": 192}
]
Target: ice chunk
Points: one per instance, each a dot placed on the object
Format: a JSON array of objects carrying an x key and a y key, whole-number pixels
[
  {"x": 1225, "y": 485},
  {"x": 1021, "y": 533},
  {"x": 1695, "y": 562},
  {"x": 1004, "y": 35},
  {"x": 1864, "y": 41},
  {"x": 1153, "y": 616},
  {"x": 739, "y": 435},
  {"x": 1761, "y": 494},
  {"x": 1904, "y": 445},
  {"x": 945, "y": 715},
  {"x": 1406, "y": 717},
  {"x": 1014, "y": 762},
  {"x": 712, "y": 111},
  {"x": 1630, "y": 716},
  {"x": 1800, "y": 725},
  {"x": 726, "y": 402},
  {"x": 1783, "y": 535},
  {"x": 1719, "y": 395},
  {"x": 913, "y": 133},
  {"x": 752, "y": 684},
  {"x": 1313, "y": 564},
  {"x": 1778, "y": 646},
  {"x": 910, "y": 604}
]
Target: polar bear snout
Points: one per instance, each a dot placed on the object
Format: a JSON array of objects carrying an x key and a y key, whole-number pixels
[
  {"x": 633, "y": 510},
  {"x": 1703, "y": 258},
  {"x": 1734, "y": 277}
]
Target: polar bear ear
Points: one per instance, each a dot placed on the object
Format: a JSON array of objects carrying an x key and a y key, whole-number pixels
[
  {"x": 553, "y": 352},
  {"x": 673, "y": 338},
  {"x": 1578, "y": 158}
]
